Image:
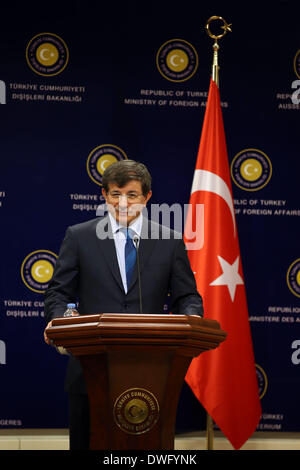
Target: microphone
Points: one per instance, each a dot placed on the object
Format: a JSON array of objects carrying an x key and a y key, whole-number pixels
[{"x": 136, "y": 242}]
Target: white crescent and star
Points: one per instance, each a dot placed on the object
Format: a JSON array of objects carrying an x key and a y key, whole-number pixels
[
  {"x": 230, "y": 276},
  {"x": 42, "y": 54},
  {"x": 172, "y": 60},
  {"x": 207, "y": 181},
  {"x": 104, "y": 164},
  {"x": 37, "y": 271},
  {"x": 246, "y": 169}
]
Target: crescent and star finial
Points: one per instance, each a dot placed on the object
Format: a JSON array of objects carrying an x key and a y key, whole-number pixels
[{"x": 226, "y": 27}]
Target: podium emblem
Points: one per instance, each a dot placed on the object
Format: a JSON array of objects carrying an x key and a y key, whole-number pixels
[{"x": 136, "y": 411}]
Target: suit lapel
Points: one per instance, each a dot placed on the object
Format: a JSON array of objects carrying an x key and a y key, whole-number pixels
[
  {"x": 105, "y": 241},
  {"x": 149, "y": 236},
  {"x": 106, "y": 244}
]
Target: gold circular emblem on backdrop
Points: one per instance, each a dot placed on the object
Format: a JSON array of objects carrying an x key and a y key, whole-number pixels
[
  {"x": 47, "y": 54},
  {"x": 251, "y": 169},
  {"x": 297, "y": 63},
  {"x": 37, "y": 270},
  {"x": 104, "y": 161},
  {"x": 293, "y": 277},
  {"x": 262, "y": 380},
  {"x": 42, "y": 271},
  {"x": 100, "y": 158},
  {"x": 136, "y": 411},
  {"x": 177, "y": 60}
]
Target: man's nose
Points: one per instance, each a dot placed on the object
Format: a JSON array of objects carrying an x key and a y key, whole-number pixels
[{"x": 123, "y": 202}]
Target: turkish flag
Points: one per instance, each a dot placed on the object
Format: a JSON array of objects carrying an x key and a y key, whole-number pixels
[{"x": 224, "y": 380}]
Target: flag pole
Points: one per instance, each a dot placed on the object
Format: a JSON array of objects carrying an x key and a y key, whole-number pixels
[
  {"x": 209, "y": 432},
  {"x": 226, "y": 27},
  {"x": 215, "y": 76}
]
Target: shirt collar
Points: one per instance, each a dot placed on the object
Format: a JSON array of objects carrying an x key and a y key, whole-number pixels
[{"x": 136, "y": 224}]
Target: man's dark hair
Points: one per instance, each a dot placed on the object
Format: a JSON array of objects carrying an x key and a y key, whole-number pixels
[{"x": 121, "y": 172}]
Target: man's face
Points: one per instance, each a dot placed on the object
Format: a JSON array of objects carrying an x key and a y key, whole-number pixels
[{"x": 125, "y": 204}]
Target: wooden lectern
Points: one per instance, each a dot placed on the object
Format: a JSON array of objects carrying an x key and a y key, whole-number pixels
[{"x": 134, "y": 367}]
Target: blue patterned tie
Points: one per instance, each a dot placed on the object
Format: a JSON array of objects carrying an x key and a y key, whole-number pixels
[{"x": 130, "y": 253}]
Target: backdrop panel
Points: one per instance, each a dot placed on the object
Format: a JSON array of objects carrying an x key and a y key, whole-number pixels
[{"x": 81, "y": 85}]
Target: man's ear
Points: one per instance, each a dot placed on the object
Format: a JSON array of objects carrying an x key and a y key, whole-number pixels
[
  {"x": 147, "y": 197},
  {"x": 104, "y": 193}
]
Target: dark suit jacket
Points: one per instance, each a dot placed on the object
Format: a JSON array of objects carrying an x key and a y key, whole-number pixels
[{"x": 87, "y": 271}]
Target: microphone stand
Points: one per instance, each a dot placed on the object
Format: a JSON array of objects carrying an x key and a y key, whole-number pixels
[{"x": 136, "y": 244}]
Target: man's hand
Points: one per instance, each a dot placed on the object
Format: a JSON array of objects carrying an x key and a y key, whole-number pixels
[{"x": 47, "y": 340}]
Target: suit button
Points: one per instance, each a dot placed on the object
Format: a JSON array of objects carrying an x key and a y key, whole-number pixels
[{"x": 126, "y": 306}]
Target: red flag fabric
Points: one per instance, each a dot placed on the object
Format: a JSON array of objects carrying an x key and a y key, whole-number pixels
[{"x": 224, "y": 380}]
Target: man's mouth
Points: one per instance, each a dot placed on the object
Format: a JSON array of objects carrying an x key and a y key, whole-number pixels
[
  {"x": 132, "y": 211},
  {"x": 123, "y": 213}
]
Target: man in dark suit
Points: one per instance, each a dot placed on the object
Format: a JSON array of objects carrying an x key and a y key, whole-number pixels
[{"x": 97, "y": 267}]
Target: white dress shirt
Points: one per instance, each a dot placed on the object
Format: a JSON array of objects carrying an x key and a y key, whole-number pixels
[{"x": 120, "y": 241}]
